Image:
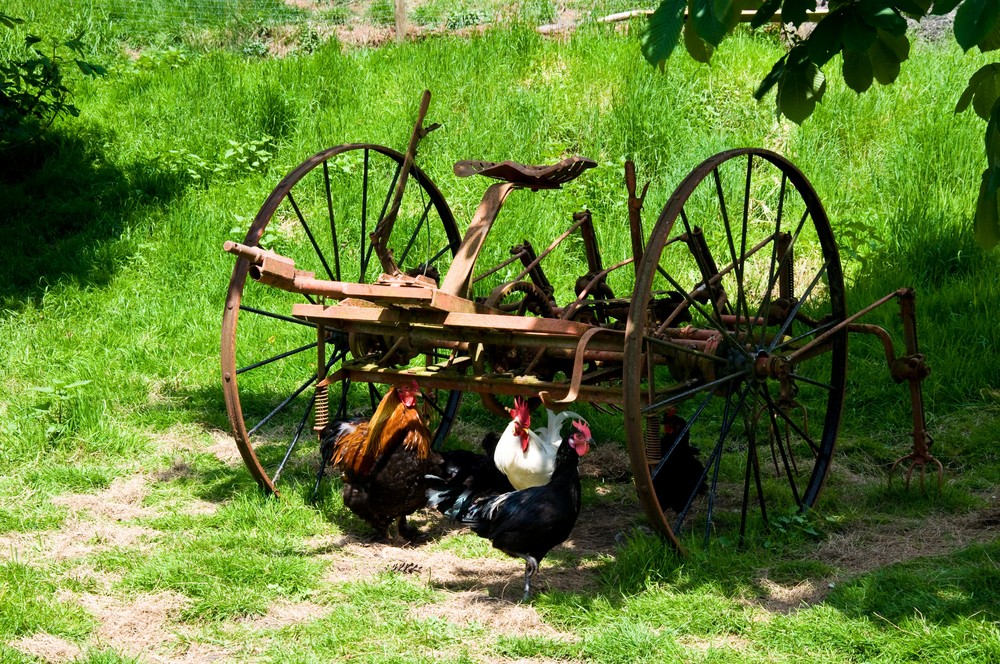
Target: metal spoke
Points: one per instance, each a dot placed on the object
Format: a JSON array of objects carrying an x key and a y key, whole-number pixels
[
  {"x": 362, "y": 267},
  {"x": 309, "y": 234},
  {"x": 683, "y": 349},
  {"x": 717, "y": 326},
  {"x": 269, "y": 314},
  {"x": 706, "y": 277},
  {"x": 795, "y": 427},
  {"x": 295, "y": 438},
  {"x": 776, "y": 432},
  {"x": 798, "y": 305},
  {"x": 727, "y": 424},
  {"x": 333, "y": 223},
  {"x": 687, "y": 427},
  {"x": 654, "y": 408},
  {"x": 416, "y": 231},
  {"x": 766, "y": 303},
  {"x": 281, "y": 406},
  {"x": 280, "y": 356},
  {"x": 737, "y": 264}
]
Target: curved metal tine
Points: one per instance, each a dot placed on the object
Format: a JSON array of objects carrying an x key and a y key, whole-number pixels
[
  {"x": 727, "y": 424},
  {"x": 271, "y": 314},
  {"x": 687, "y": 427},
  {"x": 309, "y": 234},
  {"x": 333, "y": 222},
  {"x": 798, "y": 305},
  {"x": 765, "y": 305},
  {"x": 279, "y": 356},
  {"x": 374, "y": 395},
  {"x": 295, "y": 438},
  {"x": 776, "y": 431}
]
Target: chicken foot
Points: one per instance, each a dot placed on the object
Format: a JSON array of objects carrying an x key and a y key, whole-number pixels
[{"x": 530, "y": 569}]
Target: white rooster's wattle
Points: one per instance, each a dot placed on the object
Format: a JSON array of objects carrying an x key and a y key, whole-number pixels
[{"x": 528, "y": 458}]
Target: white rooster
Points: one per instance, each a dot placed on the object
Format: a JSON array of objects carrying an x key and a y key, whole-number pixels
[{"x": 528, "y": 458}]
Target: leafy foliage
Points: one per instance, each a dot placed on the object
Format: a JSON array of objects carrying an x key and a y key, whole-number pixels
[
  {"x": 33, "y": 91},
  {"x": 870, "y": 35}
]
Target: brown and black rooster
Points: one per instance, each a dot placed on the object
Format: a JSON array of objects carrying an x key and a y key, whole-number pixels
[{"x": 383, "y": 461}]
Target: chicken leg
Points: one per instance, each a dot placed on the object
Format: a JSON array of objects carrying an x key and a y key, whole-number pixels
[{"x": 530, "y": 569}]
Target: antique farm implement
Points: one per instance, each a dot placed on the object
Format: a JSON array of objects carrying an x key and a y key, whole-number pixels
[{"x": 729, "y": 318}]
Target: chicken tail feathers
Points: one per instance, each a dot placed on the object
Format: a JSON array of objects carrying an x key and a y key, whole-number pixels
[{"x": 452, "y": 501}]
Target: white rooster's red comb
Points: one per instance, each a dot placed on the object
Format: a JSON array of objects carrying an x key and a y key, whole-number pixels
[{"x": 520, "y": 411}]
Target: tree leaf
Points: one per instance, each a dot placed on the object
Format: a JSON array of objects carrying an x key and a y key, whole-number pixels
[
  {"x": 858, "y": 35},
  {"x": 880, "y": 14},
  {"x": 698, "y": 48},
  {"x": 708, "y": 24},
  {"x": 915, "y": 8},
  {"x": 826, "y": 39},
  {"x": 974, "y": 21},
  {"x": 986, "y": 224},
  {"x": 942, "y": 7},
  {"x": 991, "y": 42},
  {"x": 886, "y": 54},
  {"x": 772, "y": 77},
  {"x": 764, "y": 13},
  {"x": 986, "y": 93},
  {"x": 857, "y": 70},
  {"x": 794, "y": 11},
  {"x": 984, "y": 72},
  {"x": 662, "y": 32},
  {"x": 801, "y": 86}
]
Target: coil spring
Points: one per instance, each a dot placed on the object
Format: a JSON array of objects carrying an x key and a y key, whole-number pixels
[
  {"x": 322, "y": 406},
  {"x": 652, "y": 439}
]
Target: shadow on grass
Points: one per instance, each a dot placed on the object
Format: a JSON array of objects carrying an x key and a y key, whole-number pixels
[{"x": 65, "y": 210}]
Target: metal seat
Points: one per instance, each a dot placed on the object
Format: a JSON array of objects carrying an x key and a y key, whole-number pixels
[{"x": 535, "y": 177}]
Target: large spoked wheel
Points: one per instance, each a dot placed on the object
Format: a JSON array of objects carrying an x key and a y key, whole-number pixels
[
  {"x": 731, "y": 412},
  {"x": 321, "y": 215}
]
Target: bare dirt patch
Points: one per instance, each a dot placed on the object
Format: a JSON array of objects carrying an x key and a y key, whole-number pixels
[
  {"x": 868, "y": 546},
  {"x": 122, "y": 501},
  {"x": 47, "y": 648}
]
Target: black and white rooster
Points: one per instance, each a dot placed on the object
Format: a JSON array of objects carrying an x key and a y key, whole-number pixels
[{"x": 527, "y": 523}]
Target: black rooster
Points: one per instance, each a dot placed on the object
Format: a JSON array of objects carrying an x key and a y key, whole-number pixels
[
  {"x": 681, "y": 475},
  {"x": 530, "y": 522},
  {"x": 471, "y": 475}
]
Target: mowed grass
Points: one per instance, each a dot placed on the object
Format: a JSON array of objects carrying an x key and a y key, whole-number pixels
[{"x": 114, "y": 274}]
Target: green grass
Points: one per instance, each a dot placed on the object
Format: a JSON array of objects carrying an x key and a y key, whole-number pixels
[{"x": 114, "y": 273}]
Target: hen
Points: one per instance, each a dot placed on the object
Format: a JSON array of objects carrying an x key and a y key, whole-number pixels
[
  {"x": 383, "y": 461},
  {"x": 680, "y": 478},
  {"x": 525, "y": 457},
  {"x": 472, "y": 474},
  {"x": 530, "y": 522}
]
